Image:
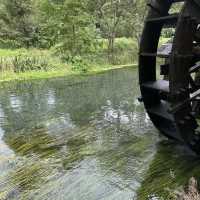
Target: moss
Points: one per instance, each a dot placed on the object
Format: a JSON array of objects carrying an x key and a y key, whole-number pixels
[{"x": 39, "y": 143}]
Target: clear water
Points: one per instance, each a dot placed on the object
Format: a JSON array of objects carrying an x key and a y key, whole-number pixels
[{"x": 85, "y": 140}]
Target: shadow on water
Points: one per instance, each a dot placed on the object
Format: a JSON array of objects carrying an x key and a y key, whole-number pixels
[{"x": 90, "y": 140}]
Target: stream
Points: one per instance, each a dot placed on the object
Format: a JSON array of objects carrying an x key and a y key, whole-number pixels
[{"x": 85, "y": 140}]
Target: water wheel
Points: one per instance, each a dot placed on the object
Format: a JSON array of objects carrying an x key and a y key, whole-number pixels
[{"x": 170, "y": 78}]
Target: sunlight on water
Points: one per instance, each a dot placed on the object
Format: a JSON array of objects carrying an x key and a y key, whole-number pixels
[
  {"x": 15, "y": 103},
  {"x": 5, "y": 151},
  {"x": 91, "y": 140},
  {"x": 51, "y": 98}
]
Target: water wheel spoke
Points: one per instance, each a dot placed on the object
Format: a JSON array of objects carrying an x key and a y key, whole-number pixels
[
  {"x": 167, "y": 21},
  {"x": 195, "y": 68},
  {"x": 193, "y": 97}
]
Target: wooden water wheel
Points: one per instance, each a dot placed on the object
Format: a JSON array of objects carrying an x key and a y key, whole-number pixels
[{"x": 170, "y": 78}]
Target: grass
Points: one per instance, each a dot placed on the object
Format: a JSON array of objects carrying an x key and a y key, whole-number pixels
[
  {"x": 164, "y": 40},
  {"x": 25, "y": 64},
  {"x": 30, "y": 75}
]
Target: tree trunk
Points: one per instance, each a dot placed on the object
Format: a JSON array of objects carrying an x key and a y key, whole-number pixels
[
  {"x": 111, "y": 41},
  {"x": 73, "y": 50}
]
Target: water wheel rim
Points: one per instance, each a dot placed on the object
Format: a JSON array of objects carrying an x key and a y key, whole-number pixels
[
  {"x": 156, "y": 107},
  {"x": 181, "y": 89}
]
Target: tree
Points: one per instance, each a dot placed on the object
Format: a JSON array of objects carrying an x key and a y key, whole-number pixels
[
  {"x": 136, "y": 18},
  {"x": 77, "y": 29},
  {"x": 68, "y": 25},
  {"x": 112, "y": 17},
  {"x": 17, "y": 22}
]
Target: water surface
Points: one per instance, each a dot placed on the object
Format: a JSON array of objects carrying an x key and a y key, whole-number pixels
[{"x": 87, "y": 140}]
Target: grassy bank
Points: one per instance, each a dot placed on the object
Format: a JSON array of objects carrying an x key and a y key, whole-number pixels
[
  {"x": 24, "y": 64},
  {"x": 11, "y": 76}
]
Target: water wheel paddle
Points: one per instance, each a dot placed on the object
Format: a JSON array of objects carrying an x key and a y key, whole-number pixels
[{"x": 172, "y": 96}]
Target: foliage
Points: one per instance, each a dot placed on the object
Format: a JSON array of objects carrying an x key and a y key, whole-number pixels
[
  {"x": 54, "y": 65},
  {"x": 79, "y": 64},
  {"x": 23, "y": 60},
  {"x": 16, "y": 21},
  {"x": 72, "y": 27},
  {"x": 137, "y": 17},
  {"x": 110, "y": 15},
  {"x": 24, "y": 63},
  {"x": 81, "y": 33},
  {"x": 9, "y": 44}
]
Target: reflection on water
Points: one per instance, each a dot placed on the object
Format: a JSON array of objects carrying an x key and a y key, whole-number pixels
[{"x": 89, "y": 140}]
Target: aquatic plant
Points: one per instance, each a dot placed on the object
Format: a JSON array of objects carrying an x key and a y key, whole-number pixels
[
  {"x": 23, "y": 63},
  {"x": 29, "y": 63}
]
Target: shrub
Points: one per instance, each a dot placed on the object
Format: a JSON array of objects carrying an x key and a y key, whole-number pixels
[
  {"x": 125, "y": 44},
  {"x": 125, "y": 52},
  {"x": 79, "y": 64}
]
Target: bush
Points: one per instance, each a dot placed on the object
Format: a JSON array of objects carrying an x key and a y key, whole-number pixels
[
  {"x": 79, "y": 64},
  {"x": 125, "y": 44},
  {"x": 168, "y": 33},
  {"x": 125, "y": 52}
]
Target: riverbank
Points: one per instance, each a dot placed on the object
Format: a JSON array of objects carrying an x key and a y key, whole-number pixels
[
  {"x": 26, "y": 64},
  {"x": 30, "y": 75}
]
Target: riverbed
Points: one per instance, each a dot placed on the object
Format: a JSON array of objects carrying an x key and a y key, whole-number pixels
[{"x": 87, "y": 140}]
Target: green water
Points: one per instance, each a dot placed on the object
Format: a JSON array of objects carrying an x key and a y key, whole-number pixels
[{"x": 86, "y": 141}]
